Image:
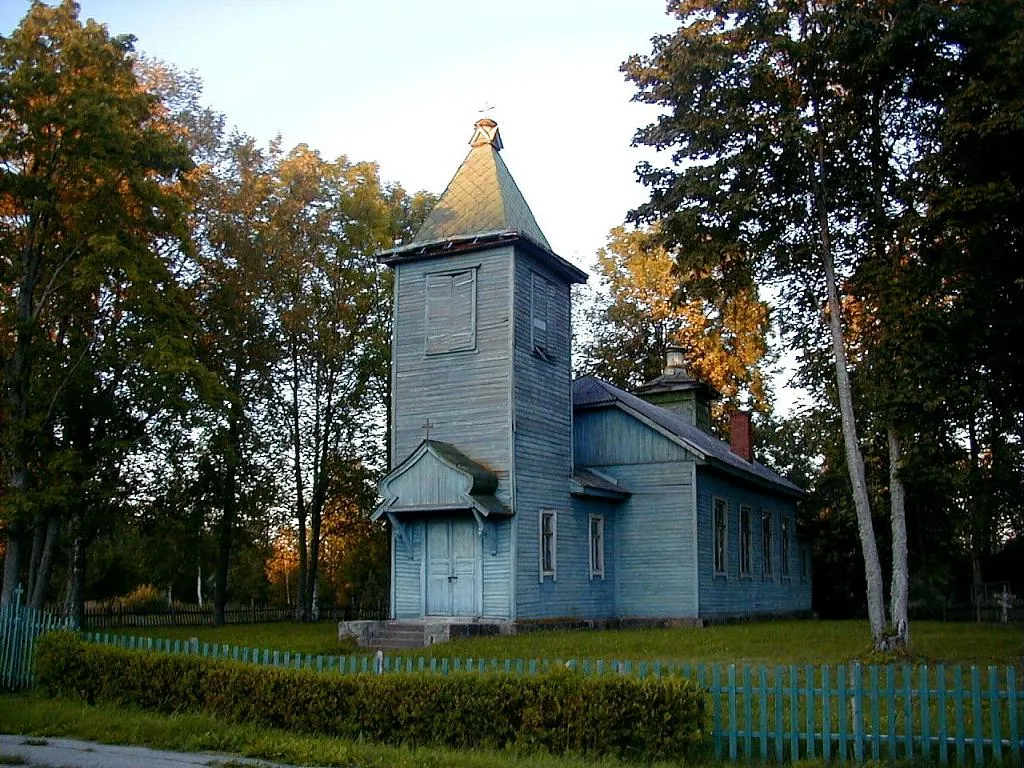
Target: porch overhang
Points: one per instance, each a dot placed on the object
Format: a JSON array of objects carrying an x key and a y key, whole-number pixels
[{"x": 438, "y": 479}]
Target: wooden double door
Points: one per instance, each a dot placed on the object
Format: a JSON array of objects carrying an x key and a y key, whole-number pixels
[{"x": 451, "y": 559}]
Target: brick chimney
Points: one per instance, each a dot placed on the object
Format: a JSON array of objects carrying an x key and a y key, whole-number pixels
[{"x": 740, "y": 441}]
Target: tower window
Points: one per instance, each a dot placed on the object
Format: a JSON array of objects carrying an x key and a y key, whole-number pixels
[
  {"x": 721, "y": 536},
  {"x": 541, "y": 294},
  {"x": 451, "y": 311}
]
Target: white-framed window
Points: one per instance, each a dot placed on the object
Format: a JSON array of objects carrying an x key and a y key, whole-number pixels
[
  {"x": 451, "y": 311},
  {"x": 721, "y": 523},
  {"x": 746, "y": 541},
  {"x": 596, "y": 546},
  {"x": 766, "y": 543},
  {"x": 784, "y": 543},
  {"x": 541, "y": 295},
  {"x": 548, "y": 544}
]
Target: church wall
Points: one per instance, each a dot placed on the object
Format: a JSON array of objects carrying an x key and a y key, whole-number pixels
[
  {"x": 407, "y": 573},
  {"x": 497, "y": 570},
  {"x": 654, "y": 530},
  {"x": 542, "y": 439},
  {"x": 654, "y": 536},
  {"x": 735, "y": 594},
  {"x": 465, "y": 394}
]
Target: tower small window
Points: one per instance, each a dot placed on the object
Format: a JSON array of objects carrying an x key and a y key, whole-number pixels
[
  {"x": 596, "y": 546},
  {"x": 451, "y": 311},
  {"x": 548, "y": 543},
  {"x": 541, "y": 295},
  {"x": 784, "y": 559},
  {"x": 766, "y": 543},
  {"x": 721, "y": 535},
  {"x": 746, "y": 541}
]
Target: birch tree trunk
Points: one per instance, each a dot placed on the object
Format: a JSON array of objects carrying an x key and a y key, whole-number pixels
[
  {"x": 898, "y": 592},
  {"x": 851, "y": 444}
]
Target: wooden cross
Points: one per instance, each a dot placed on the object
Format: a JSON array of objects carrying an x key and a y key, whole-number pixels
[
  {"x": 426, "y": 427},
  {"x": 488, "y": 107}
]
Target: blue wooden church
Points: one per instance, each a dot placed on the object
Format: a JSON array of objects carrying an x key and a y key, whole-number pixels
[{"x": 519, "y": 496}]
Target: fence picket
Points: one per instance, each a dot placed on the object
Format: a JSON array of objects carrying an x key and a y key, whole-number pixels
[
  {"x": 817, "y": 705},
  {"x": 995, "y": 714},
  {"x": 940, "y": 689},
  {"x": 979, "y": 744}
]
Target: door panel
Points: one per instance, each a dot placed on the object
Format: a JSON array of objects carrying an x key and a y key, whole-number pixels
[
  {"x": 438, "y": 569},
  {"x": 464, "y": 568},
  {"x": 451, "y": 568}
]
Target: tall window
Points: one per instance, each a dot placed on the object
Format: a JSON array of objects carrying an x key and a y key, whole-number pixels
[
  {"x": 451, "y": 311},
  {"x": 721, "y": 535},
  {"x": 540, "y": 301},
  {"x": 746, "y": 541},
  {"x": 766, "y": 542},
  {"x": 548, "y": 543},
  {"x": 596, "y": 546},
  {"x": 784, "y": 565}
]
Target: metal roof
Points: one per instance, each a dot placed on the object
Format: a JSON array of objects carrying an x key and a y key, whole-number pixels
[{"x": 591, "y": 392}]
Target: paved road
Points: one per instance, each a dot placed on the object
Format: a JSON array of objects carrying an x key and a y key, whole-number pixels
[{"x": 71, "y": 753}]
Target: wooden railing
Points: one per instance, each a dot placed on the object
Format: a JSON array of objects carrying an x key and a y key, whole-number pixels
[{"x": 194, "y": 615}]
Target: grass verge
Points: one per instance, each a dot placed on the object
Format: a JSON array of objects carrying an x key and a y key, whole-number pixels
[
  {"x": 36, "y": 715},
  {"x": 769, "y": 642}
]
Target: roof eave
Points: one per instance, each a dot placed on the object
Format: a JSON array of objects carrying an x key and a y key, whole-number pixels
[{"x": 480, "y": 240}]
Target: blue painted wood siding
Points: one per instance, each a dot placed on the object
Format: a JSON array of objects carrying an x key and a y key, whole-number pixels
[
  {"x": 466, "y": 397},
  {"x": 407, "y": 573},
  {"x": 543, "y": 445},
  {"x": 733, "y": 594},
  {"x": 464, "y": 394},
  {"x": 653, "y": 532}
]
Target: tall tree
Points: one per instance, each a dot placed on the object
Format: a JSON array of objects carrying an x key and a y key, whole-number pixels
[
  {"x": 645, "y": 305},
  {"x": 796, "y": 131},
  {"x": 87, "y": 190}
]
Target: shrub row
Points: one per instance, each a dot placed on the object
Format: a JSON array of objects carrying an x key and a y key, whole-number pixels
[{"x": 563, "y": 712}]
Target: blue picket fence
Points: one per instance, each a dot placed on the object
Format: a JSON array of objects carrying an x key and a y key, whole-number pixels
[
  {"x": 949, "y": 715},
  {"x": 20, "y": 626}
]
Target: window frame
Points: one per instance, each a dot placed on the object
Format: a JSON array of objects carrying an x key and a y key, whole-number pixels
[
  {"x": 767, "y": 544},
  {"x": 720, "y": 548},
  {"x": 547, "y": 569},
  {"x": 746, "y": 541},
  {"x": 540, "y": 344},
  {"x": 430, "y": 344},
  {"x": 784, "y": 545},
  {"x": 597, "y": 569}
]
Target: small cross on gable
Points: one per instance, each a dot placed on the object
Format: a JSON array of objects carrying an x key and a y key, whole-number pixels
[{"x": 427, "y": 426}]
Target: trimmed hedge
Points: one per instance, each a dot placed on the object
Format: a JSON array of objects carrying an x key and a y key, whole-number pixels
[{"x": 650, "y": 719}]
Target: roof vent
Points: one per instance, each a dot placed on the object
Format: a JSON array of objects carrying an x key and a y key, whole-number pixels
[{"x": 486, "y": 132}]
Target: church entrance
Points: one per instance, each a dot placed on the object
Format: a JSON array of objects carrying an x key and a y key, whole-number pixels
[{"x": 451, "y": 567}]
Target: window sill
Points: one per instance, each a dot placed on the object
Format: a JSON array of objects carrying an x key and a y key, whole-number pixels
[{"x": 719, "y": 576}]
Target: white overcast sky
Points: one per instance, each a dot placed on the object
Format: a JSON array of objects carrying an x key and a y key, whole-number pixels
[{"x": 402, "y": 82}]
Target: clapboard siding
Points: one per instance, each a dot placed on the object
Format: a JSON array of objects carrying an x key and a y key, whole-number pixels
[
  {"x": 497, "y": 570},
  {"x": 465, "y": 395},
  {"x": 542, "y": 442},
  {"x": 654, "y": 546},
  {"x": 733, "y": 594},
  {"x": 407, "y": 565},
  {"x": 430, "y": 481},
  {"x": 611, "y": 436}
]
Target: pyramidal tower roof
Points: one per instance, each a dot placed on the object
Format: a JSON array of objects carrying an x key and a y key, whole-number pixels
[
  {"x": 481, "y": 204},
  {"x": 482, "y": 197}
]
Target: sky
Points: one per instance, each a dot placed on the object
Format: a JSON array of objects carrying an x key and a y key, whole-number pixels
[{"x": 401, "y": 83}]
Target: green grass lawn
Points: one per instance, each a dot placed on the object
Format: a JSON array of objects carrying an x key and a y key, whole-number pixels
[{"x": 774, "y": 642}]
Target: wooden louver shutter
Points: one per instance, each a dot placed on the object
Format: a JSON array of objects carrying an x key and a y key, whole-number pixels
[
  {"x": 463, "y": 311},
  {"x": 539, "y": 314},
  {"x": 439, "y": 306}
]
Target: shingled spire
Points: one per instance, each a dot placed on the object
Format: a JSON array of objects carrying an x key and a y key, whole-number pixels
[{"x": 481, "y": 199}]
